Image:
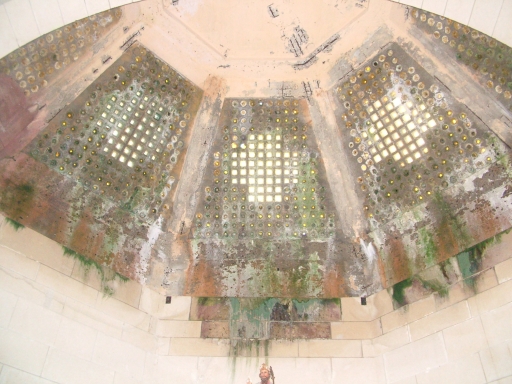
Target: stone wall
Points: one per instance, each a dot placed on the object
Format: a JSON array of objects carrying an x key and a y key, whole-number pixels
[
  {"x": 58, "y": 324},
  {"x": 489, "y": 17}
]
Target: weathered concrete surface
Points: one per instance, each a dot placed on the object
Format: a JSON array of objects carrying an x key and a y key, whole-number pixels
[{"x": 161, "y": 251}]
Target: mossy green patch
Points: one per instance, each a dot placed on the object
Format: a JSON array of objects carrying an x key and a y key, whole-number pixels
[
  {"x": 13, "y": 223},
  {"x": 451, "y": 221},
  {"x": 209, "y": 301},
  {"x": 106, "y": 276},
  {"x": 17, "y": 201},
  {"x": 470, "y": 261},
  {"x": 399, "y": 291},
  {"x": 435, "y": 286},
  {"x": 429, "y": 246}
]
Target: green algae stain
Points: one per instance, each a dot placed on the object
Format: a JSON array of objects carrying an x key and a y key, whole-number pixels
[
  {"x": 470, "y": 261},
  {"x": 399, "y": 291},
  {"x": 451, "y": 222},
  {"x": 435, "y": 286},
  {"x": 13, "y": 223},
  {"x": 429, "y": 246},
  {"x": 17, "y": 200},
  {"x": 106, "y": 276}
]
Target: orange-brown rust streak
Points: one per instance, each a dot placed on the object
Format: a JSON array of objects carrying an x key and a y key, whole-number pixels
[
  {"x": 399, "y": 259},
  {"x": 202, "y": 278},
  {"x": 334, "y": 284}
]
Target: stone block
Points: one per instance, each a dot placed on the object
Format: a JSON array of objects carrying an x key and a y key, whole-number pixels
[
  {"x": 415, "y": 358},
  {"x": 505, "y": 380},
  {"x": 498, "y": 324},
  {"x": 485, "y": 15},
  {"x": 497, "y": 252},
  {"x": 31, "y": 290},
  {"x": 412, "y": 3},
  {"x": 283, "y": 348},
  {"x": 76, "y": 339},
  {"x": 178, "y": 309},
  {"x": 434, "y": 6},
  {"x": 8, "y": 43},
  {"x": 178, "y": 328},
  {"x": 12, "y": 375},
  {"x": 140, "y": 339},
  {"x": 502, "y": 30},
  {"x": 19, "y": 351},
  {"x": 37, "y": 247},
  {"x": 128, "y": 292},
  {"x": 199, "y": 347},
  {"x": 496, "y": 361},
  {"x": 504, "y": 271},
  {"x": 299, "y": 330},
  {"x": 494, "y": 297},
  {"x": 330, "y": 348},
  {"x": 465, "y": 338},
  {"x": 119, "y": 356},
  {"x": 35, "y": 322},
  {"x": 151, "y": 301},
  {"x": 123, "y": 312},
  {"x": 22, "y": 20},
  {"x": 87, "y": 275},
  {"x": 63, "y": 367},
  {"x": 378, "y": 305},
  {"x": 249, "y": 329},
  {"x": 459, "y": 10},
  {"x": 299, "y": 370},
  {"x": 120, "y": 378},
  {"x": 408, "y": 380},
  {"x": 456, "y": 293},
  {"x": 18, "y": 263},
  {"x": 486, "y": 280},
  {"x": 315, "y": 310},
  {"x": 72, "y": 10},
  {"x": 215, "y": 329},
  {"x": 47, "y": 15},
  {"x": 93, "y": 318},
  {"x": 464, "y": 371},
  {"x": 357, "y": 370},
  {"x": 182, "y": 369},
  {"x": 440, "y": 320},
  {"x": 65, "y": 285},
  {"x": 210, "y": 308},
  {"x": 387, "y": 342},
  {"x": 356, "y": 330},
  {"x": 408, "y": 313},
  {"x": 162, "y": 347},
  {"x": 7, "y": 303},
  {"x": 96, "y": 6}
]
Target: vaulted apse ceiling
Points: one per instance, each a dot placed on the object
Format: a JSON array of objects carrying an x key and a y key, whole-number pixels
[{"x": 254, "y": 150}]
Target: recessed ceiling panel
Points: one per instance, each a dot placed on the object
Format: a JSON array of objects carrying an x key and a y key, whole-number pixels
[
  {"x": 409, "y": 138},
  {"x": 266, "y": 222},
  {"x": 106, "y": 166}
]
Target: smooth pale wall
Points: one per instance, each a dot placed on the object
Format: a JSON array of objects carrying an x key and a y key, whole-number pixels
[
  {"x": 22, "y": 21},
  {"x": 56, "y": 326},
  {"x": 491, "y": 17}
]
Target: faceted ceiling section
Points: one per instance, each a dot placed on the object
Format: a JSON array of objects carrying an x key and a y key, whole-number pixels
[
  {"x": 409, "y": 137},
  {"x": 489, "y": 59},
  {"x": 37, "y": 63},
  {"x": 266, "y": 223},
  {"x": 413, "y": 149},
  {"x": 101, "y": 176}
]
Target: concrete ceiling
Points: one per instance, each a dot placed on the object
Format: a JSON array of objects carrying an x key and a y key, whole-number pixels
[{"x": 341, "y": 85}]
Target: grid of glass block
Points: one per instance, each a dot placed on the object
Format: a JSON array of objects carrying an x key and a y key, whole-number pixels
[
  {"x": 133, "y": 139},
  {"x": 265, "y": 166},
  {"x": 398, "y": 128}
]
